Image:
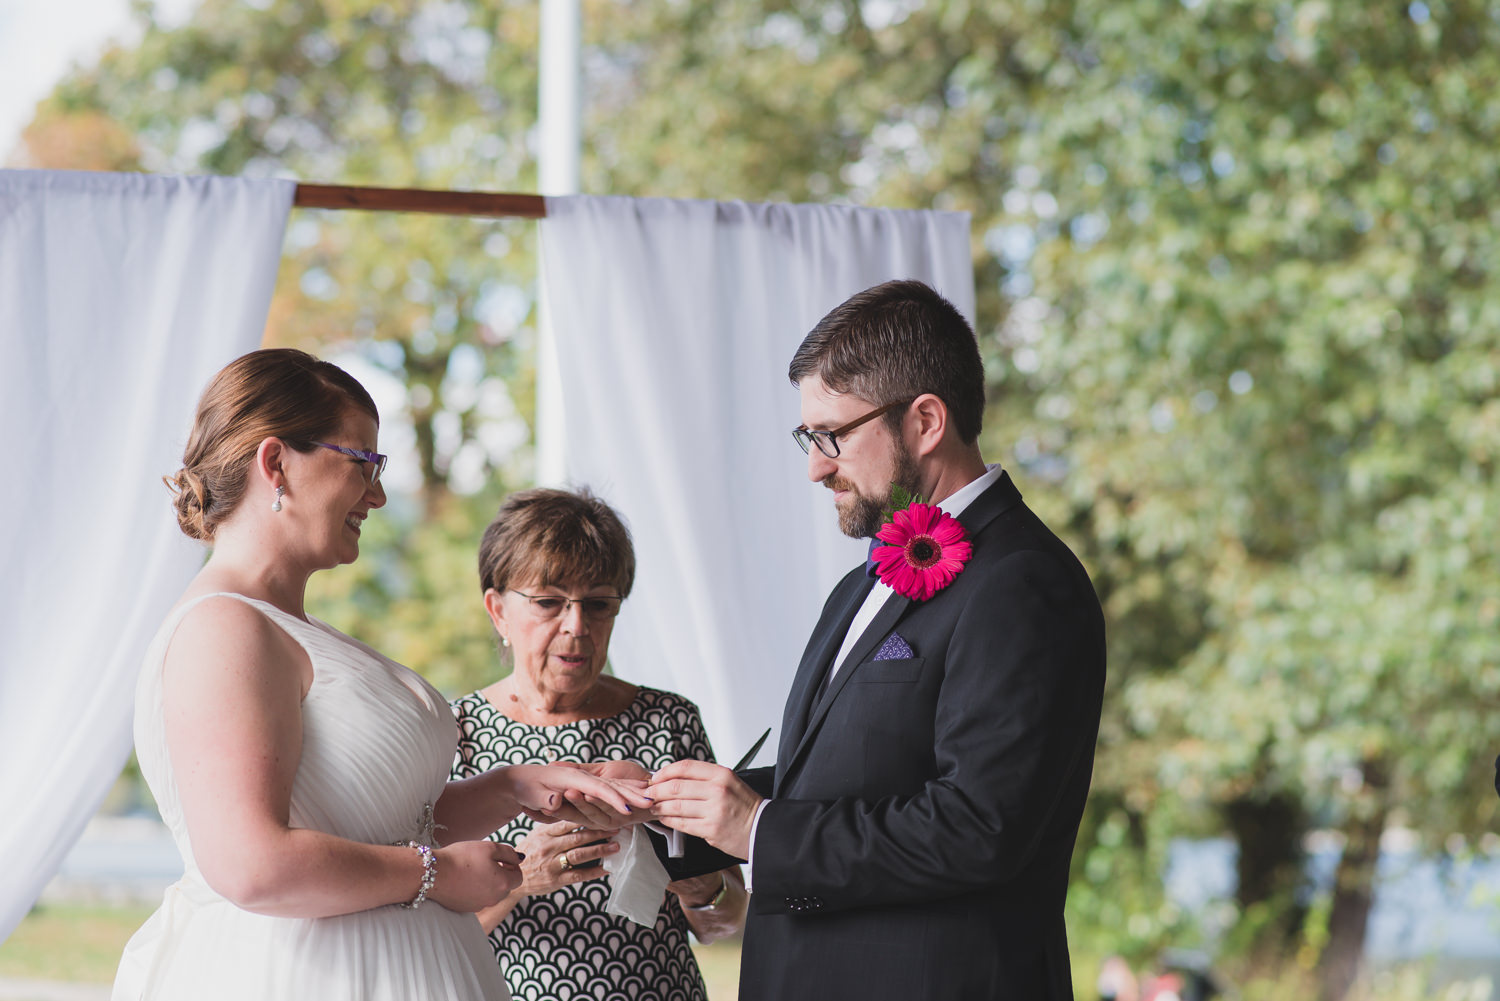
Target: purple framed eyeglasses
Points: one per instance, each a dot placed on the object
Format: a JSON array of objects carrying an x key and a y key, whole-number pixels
[{"x": 375, "y": 460}]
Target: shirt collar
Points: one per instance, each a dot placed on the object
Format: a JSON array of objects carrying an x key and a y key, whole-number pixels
[{"x": 959, "y": 499}]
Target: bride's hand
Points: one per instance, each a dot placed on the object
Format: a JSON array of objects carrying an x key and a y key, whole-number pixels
[
  {"x": 602, "y": 816},
  {"x": 624, "y": 774},
  {"x": 472, "y": 875},
  {"x": 615, "y": 770},
  {"x": 550, "y": 793}
]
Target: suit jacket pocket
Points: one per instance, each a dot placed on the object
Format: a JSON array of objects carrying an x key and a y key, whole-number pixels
[{"x": 888, "y": 672}]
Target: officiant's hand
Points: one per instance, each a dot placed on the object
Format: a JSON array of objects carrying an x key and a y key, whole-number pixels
[
  {"x": 551, "y": 793},
  {"x": 542, "y": 869},
  {"x": 706, "y": 801},
  {"x": 474, "y": 874},
  {"x": 714, "y": 904}
]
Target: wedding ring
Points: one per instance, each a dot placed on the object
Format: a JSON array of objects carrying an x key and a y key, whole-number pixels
[{"x": 562, "y": 861}]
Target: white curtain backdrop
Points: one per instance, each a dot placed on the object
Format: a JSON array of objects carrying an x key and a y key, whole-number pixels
[
  {"x": 675, "y": 322},
  {"x": 120, "y": 296}
]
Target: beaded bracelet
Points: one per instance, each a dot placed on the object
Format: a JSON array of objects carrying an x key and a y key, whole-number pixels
[{"x": 429, "y": 873}]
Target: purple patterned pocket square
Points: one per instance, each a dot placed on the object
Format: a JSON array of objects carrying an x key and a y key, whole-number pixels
[{"x": 894, "y": 648}]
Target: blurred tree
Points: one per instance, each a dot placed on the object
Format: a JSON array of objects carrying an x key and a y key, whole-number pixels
[
  {"x": 1234, "y": 263},
  {"x": 79, "y": 140},
  {"x": 1266, "y": 345},
  {"x": 1235, "y": 270}
]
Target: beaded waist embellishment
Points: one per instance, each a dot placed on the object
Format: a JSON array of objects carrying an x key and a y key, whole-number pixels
[{"x": 426, "y": 827}]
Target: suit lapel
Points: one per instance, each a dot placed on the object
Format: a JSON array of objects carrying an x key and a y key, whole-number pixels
[
  {"x": 885, "y": 620},
  {"x": 821, "y": 650}
]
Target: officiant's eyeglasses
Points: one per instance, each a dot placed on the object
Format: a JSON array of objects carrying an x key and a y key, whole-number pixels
[
  {"x": 828, "y": 441},
  {"x": 596, "y": 608},
  {"x": 374, "y": 461}
]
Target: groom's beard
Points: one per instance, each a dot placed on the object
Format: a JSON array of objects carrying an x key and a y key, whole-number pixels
[{"x": 861, "y": 515}]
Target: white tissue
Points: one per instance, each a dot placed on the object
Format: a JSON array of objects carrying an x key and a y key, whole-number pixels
[
  {"x": 638, "y": 880},
  {"x": 676, "y": 840}
]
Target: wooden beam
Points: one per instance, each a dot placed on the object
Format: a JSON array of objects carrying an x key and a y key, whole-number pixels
[{"x": 470, "y": 203}]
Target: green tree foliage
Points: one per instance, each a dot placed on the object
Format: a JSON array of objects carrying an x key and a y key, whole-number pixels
[
  {"x": 1236, "y": 295},
  {"x": 1236, "y": 287}
]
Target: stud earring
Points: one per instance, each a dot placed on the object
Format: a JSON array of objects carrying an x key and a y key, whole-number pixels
[
  {"x": 505, "y": 641},
  {"x": 276, "y": 504}
]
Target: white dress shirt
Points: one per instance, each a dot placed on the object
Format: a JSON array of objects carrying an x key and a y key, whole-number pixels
[{"x": 952, "y": 505}]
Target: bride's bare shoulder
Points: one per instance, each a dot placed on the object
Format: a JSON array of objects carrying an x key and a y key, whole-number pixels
[{"x": 237, "y": 638}]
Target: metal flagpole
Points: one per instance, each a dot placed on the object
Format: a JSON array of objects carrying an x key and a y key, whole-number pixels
[{"x": 558, "y": 115}]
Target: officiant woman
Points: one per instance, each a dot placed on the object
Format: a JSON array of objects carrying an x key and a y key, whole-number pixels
[{"x": 554, "y": 568}]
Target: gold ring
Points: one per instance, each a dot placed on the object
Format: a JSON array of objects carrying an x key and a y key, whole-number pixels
[{"x": 562, "y": 860}]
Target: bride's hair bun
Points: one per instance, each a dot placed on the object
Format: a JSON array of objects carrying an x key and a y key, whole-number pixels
[
  {"x": 192, "y": 503},
  {"x": 272, "y": 393}
]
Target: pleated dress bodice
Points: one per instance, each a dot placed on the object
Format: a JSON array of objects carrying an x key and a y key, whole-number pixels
[{"x": 377, "y": 745}]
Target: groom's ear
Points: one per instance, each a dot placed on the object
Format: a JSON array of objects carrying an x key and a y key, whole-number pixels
[{"x": 927, "y": 422}]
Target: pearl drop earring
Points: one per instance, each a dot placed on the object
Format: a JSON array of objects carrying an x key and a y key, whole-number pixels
[
  {"x": 276, "y": 504},
  {"x": 505, "y": 641}
]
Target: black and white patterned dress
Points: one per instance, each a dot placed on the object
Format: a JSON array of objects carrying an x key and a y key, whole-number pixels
[{"x": 564, "y": 946}]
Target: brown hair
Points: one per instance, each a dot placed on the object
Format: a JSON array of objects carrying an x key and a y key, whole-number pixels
[
  {"x": 555, "y": 538},
  {"x": 894, "y": 342},
  {"x": 272, "y": 393}
]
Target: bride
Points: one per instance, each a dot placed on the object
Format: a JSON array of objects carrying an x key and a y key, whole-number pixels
[{"x": 302, "y": 774}]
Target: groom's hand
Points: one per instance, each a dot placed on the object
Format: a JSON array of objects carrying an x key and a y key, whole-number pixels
[{"x": 707, "y": 801}]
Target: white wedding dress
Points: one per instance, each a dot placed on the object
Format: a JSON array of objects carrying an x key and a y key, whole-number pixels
[{"x": 377, "y": 744}]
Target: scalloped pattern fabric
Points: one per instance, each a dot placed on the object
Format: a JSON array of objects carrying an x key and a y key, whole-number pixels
[
  {"x": 564, "y": 946},
  {"x": 378, "y": 742}
]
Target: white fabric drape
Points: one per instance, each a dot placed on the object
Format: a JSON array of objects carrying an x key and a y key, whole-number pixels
[
  {"x": 675, "y": 322},
  {"x": 120, "y": 296}
]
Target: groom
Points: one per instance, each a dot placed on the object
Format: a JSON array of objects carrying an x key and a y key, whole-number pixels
[{"x": 913, "y": 839}]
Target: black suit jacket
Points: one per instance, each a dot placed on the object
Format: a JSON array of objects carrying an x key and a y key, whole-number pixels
[{"x": 923, "y": 811}]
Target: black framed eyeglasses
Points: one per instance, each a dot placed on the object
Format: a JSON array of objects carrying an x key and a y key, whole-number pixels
[
  {"x": 595, "y": 608},
  {"x": 375, "y": 460},
  {"x": 828, "y": 441}
]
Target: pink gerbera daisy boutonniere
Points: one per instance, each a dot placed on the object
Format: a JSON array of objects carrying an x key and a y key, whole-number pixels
[{"x": 927, "y": 549}]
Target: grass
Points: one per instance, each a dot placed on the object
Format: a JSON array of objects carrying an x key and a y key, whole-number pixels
[
  {"x": 720, "y": 963},
  {"x": 70, "y": 942},
  {"x": 77, "y": 943}
]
